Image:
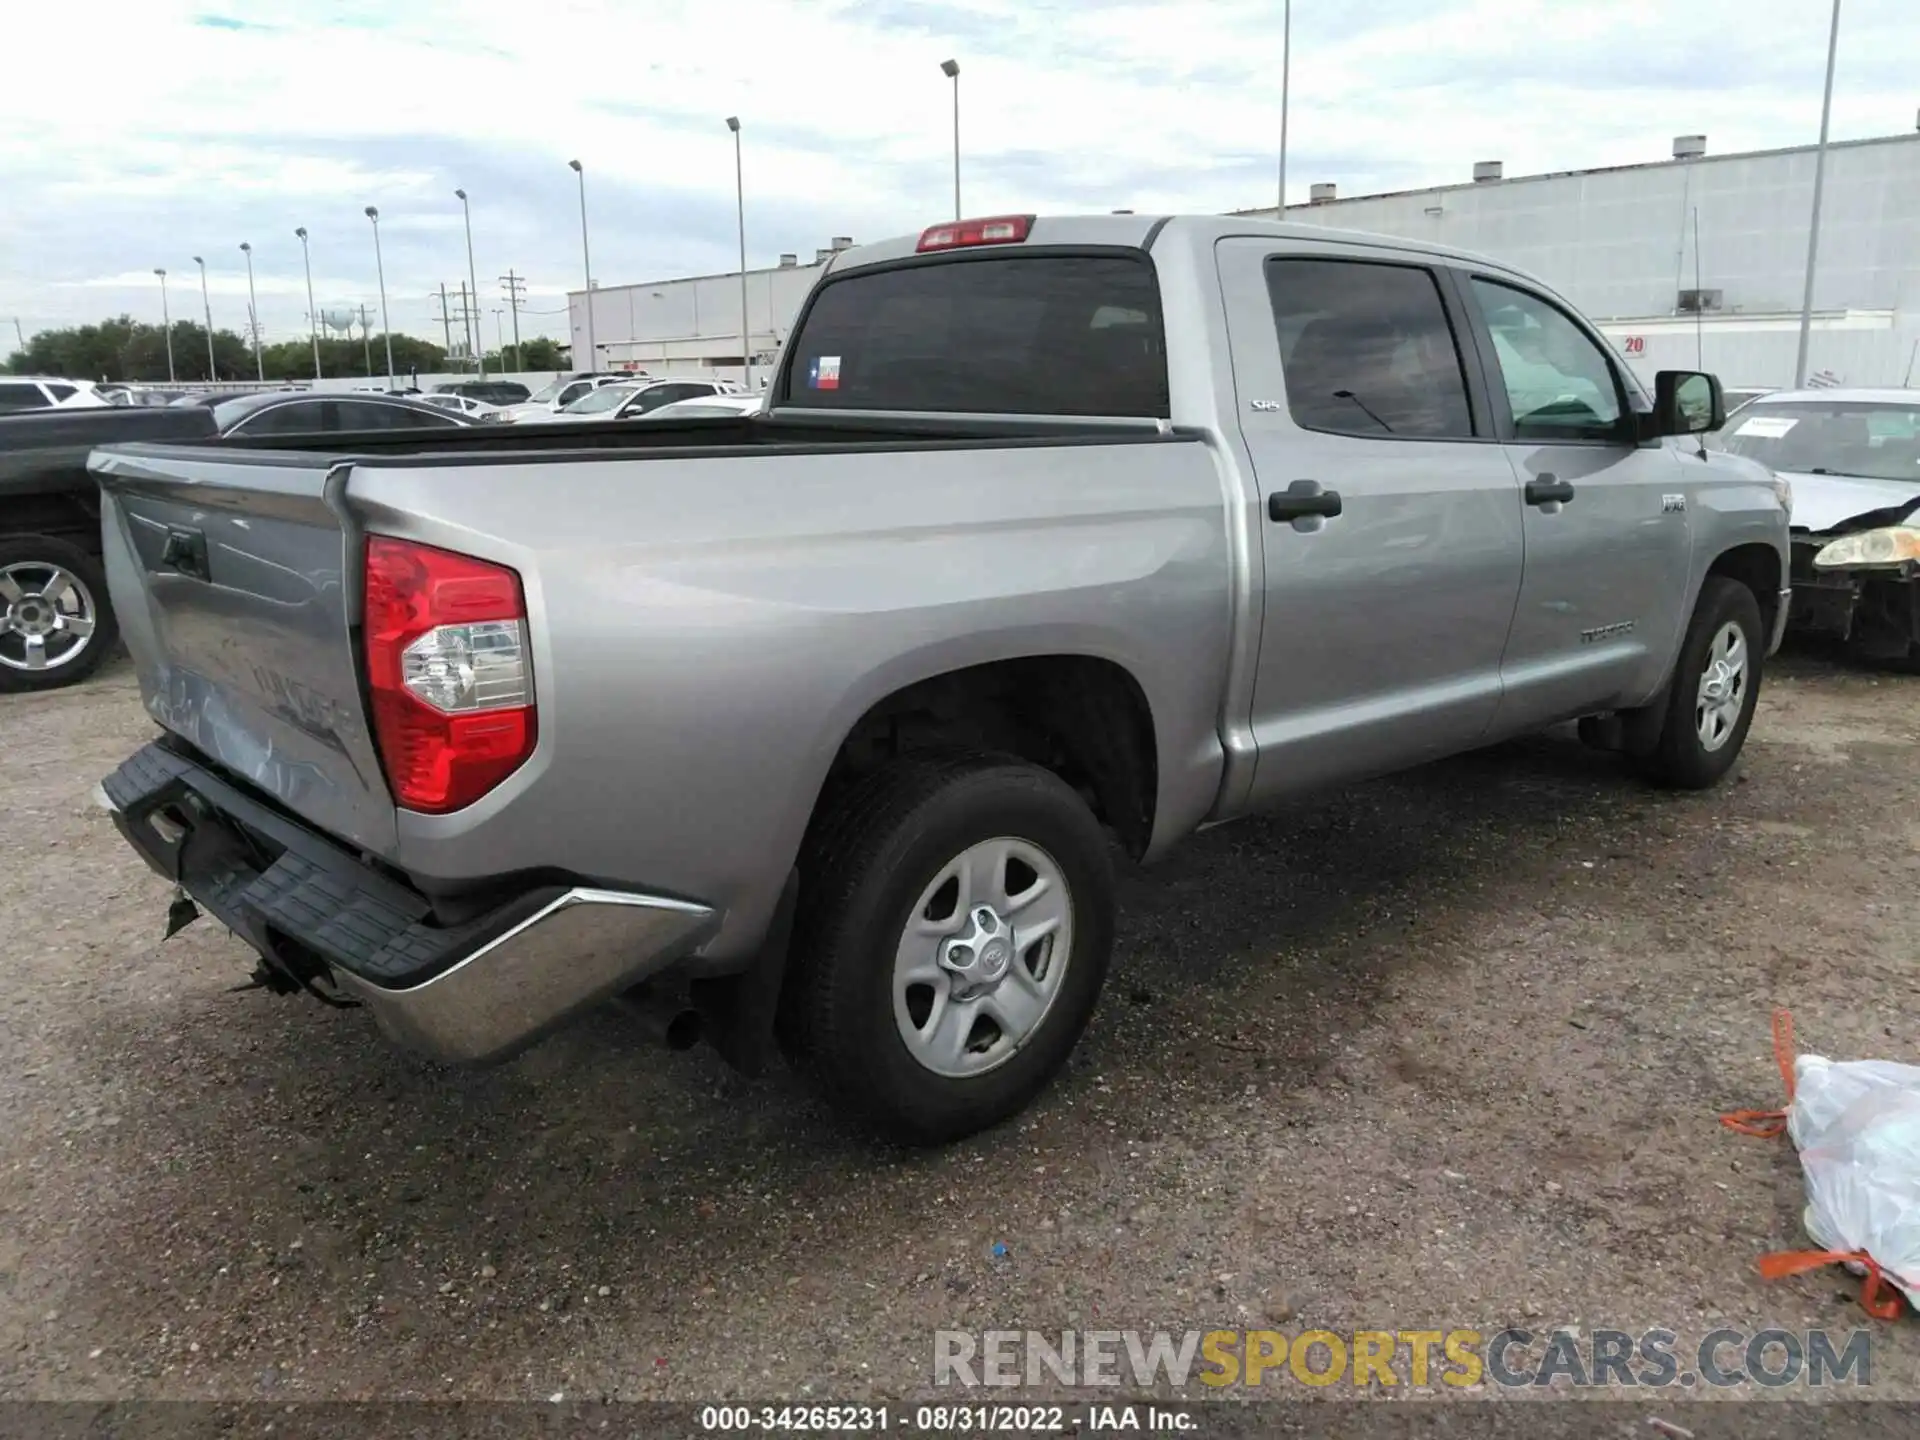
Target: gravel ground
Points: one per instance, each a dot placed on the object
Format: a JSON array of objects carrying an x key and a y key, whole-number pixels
[{"x": 1443, "y": 1051}]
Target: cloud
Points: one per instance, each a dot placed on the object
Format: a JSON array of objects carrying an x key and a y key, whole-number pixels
[{"x": 164, "y": 129}]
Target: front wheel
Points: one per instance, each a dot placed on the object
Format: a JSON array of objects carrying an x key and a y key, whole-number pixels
[
  {"x": 954, "y": 926},
  {"x": 56, "y": 626},
  {"x": 1715, "y": 686}
]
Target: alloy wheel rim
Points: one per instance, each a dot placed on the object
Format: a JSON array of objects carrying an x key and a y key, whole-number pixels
[
  {"x": 47, "y": 616},
  {"x": 1722, "y": 692},
  {"x": 983, "y": 957}
]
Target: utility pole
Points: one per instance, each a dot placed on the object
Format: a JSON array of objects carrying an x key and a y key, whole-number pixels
[
  {"x": 21, "y": 335},
  {"x": 446, "y": 325},
  {"x": 366, "y": 336},
  {"x": 516, "y": 292},
  {"x": 951, "y": 69},
  {"x": 1813, "y": 223},
  {"x": 467, "y": 318},
  {"x": 1286, "y": 66}
]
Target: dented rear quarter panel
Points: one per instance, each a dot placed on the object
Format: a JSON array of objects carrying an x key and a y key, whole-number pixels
[{"x": 707, "y": 630}]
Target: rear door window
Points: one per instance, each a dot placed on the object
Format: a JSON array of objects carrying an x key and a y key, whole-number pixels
[
  {"x": 20, "y": 396},
  {"x": 1000, "y": 335},
  {"x": 362, "y": 415},
  {"x": 295, "y": 417},
  {"x": 62, "y": 392},
  {"x": 1367, "y": 349}
]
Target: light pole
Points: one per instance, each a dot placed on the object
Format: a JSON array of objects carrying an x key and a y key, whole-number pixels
[
  {"x": 1813, "y": 225},
  {"x": 1286, "y": 67},
  {"x": 253, "y": 315},
  {"x": 586, "y": 259},
  {"x": 166, "y": 319},
  {"x": 476, "y": 342},
  {"x": 380, "y": 269},
  {"x": 313, "y": 318},
  {"x": 951, "y": 69},
  {"x": 740, "y": 207},
  {"x": 213, "y": 370}
]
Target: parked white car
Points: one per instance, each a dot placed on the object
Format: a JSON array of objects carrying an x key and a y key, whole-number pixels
[
  {"x": 553, "y": 397},
  {"x": 710, "y": 405},
  {"x": 23, "y": 392},
  {"x": 476, "y": 410},
  {"x": 629, "y": 402}
]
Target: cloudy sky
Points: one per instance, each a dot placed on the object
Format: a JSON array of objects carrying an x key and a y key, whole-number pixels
[{"x": 139, "y": 133}]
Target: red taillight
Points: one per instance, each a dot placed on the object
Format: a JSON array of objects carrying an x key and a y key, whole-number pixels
[
  {"x": 450, "y": 673},
  {"x": 999, "y": 230}
]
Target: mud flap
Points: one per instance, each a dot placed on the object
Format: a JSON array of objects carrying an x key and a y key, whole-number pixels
[
  {"x": 1640, "y": 729},
  {"x": 738, "y": 1010},
  {"x": 1633, "y": 732}
]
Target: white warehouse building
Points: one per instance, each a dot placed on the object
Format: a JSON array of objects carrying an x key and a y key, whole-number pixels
[
  {"x": 1697, "y": 261},
  {"x": 692, "y": 326}
]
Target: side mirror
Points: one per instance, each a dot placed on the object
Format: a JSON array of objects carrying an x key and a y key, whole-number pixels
[{"x": 1687, "y": 402}]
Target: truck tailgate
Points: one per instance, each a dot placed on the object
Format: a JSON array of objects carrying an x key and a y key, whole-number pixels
[{"x": 235, "y": 583}]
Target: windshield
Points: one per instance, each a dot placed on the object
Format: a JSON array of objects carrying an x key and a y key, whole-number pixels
[
  {"x": 544, "y": 395},
  {"x": 1872, "y": 440},
  {"x": 603, "y": 401}
]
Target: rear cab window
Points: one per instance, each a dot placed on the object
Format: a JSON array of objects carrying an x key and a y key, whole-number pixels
[{"x": 1036, "y": 334}]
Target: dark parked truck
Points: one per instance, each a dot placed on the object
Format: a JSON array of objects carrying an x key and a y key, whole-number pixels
[
  {"x": 820, "y": 725},
  {"x": 57, "y": 622}
]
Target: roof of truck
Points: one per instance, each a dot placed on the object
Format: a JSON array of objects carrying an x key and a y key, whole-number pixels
[{"x": 1146, "y": 230}]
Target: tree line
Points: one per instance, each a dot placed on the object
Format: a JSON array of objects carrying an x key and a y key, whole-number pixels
[{"x": 132, "y": 350}]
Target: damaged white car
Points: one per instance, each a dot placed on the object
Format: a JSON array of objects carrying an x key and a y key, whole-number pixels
[{"x": 1852, "y": 458}]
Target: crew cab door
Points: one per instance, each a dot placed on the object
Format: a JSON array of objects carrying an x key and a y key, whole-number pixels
[
  {"x": 1608, "y": 545},
  {"x": 1391, "y": 525}
]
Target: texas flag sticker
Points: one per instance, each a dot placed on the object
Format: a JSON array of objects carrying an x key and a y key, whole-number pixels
[{"x": 824, "y": 374}]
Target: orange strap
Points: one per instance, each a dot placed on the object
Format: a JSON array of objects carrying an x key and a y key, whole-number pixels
[
  {"x": 1770, "y": 1124},
  {"x": 1878, "y": 1296}
]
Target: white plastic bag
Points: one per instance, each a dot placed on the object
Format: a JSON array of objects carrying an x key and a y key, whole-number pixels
[{"x": 1856, "y": 1124}]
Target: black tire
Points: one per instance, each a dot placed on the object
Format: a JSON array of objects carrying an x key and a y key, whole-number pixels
[
  {"x": 1681, "y": 758},
  {"x": 45, "y": 550},
  {"x": 864, "y": 867}
]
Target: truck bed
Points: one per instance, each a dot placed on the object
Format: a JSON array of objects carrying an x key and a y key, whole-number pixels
[{"x": 790, "y": 432}]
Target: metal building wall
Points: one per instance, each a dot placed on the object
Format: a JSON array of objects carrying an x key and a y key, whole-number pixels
[
  {"x": 1618, "y": 242},
  {"x": 682, "y": 326}
]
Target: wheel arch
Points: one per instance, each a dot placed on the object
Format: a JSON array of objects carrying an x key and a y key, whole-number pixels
[
  {"x": 1757, "y": 566},
  {"x": 1084, "y": 716}
]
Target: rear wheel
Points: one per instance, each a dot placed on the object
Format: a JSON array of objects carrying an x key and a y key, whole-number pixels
[
  {"x": 953, "y": 931},
  {"x": 1715, "y": 686},
  {"x": 56, "y": 625}
]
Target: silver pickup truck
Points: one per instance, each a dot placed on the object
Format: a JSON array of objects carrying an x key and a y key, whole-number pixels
[{"x": 819, "y": 725}]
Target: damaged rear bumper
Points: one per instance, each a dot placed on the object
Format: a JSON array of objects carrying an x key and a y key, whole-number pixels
[{"x": 465, "y": 988}]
